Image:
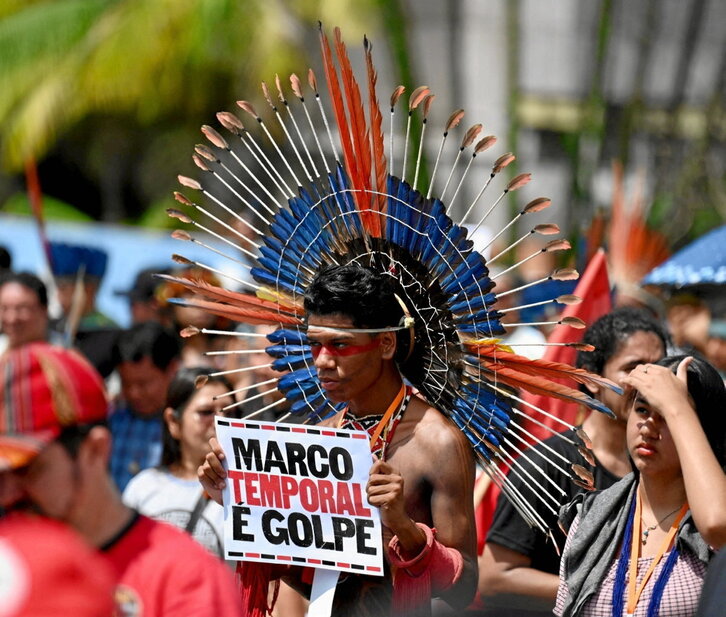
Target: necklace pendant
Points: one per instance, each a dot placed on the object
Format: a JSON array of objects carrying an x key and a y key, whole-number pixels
[{"x": 644, "y": 537}]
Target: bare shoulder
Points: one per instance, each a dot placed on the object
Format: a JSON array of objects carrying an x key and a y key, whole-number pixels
[{"x": 434, "y": 431}]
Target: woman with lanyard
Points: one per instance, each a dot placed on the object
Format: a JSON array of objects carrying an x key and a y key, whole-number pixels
[{"x": 641, "y": 547}]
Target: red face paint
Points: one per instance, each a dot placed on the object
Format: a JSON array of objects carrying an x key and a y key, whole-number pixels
[{"x": 348, "y": 350}]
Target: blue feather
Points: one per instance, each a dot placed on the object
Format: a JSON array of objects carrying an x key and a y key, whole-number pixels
[{"x": 288, "y": 337}]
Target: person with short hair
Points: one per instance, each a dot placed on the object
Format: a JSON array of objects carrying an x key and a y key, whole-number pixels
[
  {"x": 424, "y": 476},
  {"x": 144, "y": 305},
  {"x": 519, "y": 566},
  {"x": 23, "y": 309},
  {"x": 147, "y": 358},
  {"x": 54, "y": 454}
]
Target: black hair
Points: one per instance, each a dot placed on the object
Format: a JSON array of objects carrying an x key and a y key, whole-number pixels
[
  {"x": 71, "y": 437},
  {"x": 611, "y": 330},
  {"x": 181, "y": 389},
  {"x": 706, "y": 388},
  {"x": 29, "y": 281},
  {"x": 6, "y": 259},
  {"x": 358, "y": 292},
  {"x": 147, "y": 340}
]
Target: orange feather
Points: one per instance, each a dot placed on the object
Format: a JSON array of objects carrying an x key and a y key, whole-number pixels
[
  {"x": 535, "y": 384},
  {"x": 376, "y": 120},
  {"x": 225, "y": 295},
  {"x": 358, "y": 125},
  {"x": 331, "y": 77},
  {"x": 252, "y": 316},
  {"x": 538, "y": 367}
]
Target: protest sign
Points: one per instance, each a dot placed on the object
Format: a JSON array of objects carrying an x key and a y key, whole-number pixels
[{"x": 297, "y": 495}]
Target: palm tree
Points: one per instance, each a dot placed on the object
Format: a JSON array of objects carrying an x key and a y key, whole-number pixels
[{"x": 131, "y": 80}]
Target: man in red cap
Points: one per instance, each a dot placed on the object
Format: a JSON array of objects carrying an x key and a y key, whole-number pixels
[{"x": 54, "y": 452}]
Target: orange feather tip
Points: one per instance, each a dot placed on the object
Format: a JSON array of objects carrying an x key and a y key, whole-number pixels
[
  {"x": 454, "y": 120},
  {"x": 556, "y": 245},
  {"x": 573, "y": 322},
  {"x": 427, "y": 104},
  {"x": 214, "y": 137},
  {"x": 178, "y": 214},
  {"x": 587, "y": 455},
  {"x": 200, "y": 163},
  {"x": 189, "y": 183},
  {"x": 266, "y": 94},
  {"x": 206, "y": 152},
  {"x": 519, "y": 181},
  {"x": 568, "y": 299},
  {"x": 536, "y": 205},
  {"x": 189, "y": 331},
  {"x": 182, "y": 199},
  {"x": 418, "y": 95},
  {"x": 312, "y": 81},
  {"x": 296, "y": 86},
  {"x": 565, "y": 274},
  {"x": 231, "y": 122},
  {"x": 546, "y": 229},
  {"x": 502, "y": 162},
  {"x": 179, "y": 234},
  {"x": 201, "y": 381},
  {"x": 584, "y": 438},
  {"x": 249, "y": 108},
  {"x": 280, "y": 93},
  {"x": 471, "y": 134},
  {"x": 484, "y": 144},
  {"x": 180, "y": 259},
  {"x": 396, "y": 95},
  {"x": 584, "y": 475}
]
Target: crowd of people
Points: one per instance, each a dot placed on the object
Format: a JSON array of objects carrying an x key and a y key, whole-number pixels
[{"x": 110, "y": 431}]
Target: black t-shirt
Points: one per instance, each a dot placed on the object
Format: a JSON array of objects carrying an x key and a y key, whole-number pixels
[{"x": 511, "y": 531}]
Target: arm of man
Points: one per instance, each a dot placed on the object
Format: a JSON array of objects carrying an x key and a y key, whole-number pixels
[
  {"x": 446, "y": 464},
  {"x": 504, "y": 571}
]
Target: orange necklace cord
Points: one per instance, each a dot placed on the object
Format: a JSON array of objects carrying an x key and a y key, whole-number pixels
[{"x": 635, "y": 591}]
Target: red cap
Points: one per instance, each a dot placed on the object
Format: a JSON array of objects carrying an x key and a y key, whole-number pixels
[
  {"x": 42, "y": 390},
  {"x": 46, "y": 569}
]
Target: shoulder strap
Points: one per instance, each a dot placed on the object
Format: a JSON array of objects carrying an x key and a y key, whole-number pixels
[{"x": 197, "y": 512}]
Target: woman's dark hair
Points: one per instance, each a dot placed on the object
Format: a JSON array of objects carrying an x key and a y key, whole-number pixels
[
  {"x": 181, "y": 389},
  {"x": 706, "y": 388},
  {"x": 609, "y": 332}
]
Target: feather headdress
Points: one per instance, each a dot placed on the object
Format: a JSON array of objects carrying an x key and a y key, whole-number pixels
[{"x": 325, "y": 201}]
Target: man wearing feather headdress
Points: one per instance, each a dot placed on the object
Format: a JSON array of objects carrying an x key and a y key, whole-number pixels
[{"x": 423, "y": 478}]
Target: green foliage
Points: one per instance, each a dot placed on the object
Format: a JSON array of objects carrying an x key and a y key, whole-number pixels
[{"x": 53, "y": 209}]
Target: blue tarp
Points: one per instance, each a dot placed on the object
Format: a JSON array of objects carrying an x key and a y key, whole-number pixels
[
  {"x": 129, "y": 249},
  {"x": 699, "y": 263}
]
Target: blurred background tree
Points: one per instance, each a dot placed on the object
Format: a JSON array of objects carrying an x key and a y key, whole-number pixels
[{"x": 108, "y": 95}]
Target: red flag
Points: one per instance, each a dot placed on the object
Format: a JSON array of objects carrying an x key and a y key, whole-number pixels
[{"x": 594, "y": 289}]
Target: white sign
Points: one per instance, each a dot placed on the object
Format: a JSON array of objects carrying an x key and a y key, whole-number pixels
[{"x": 297, "y": 495}]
